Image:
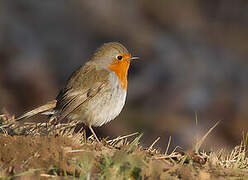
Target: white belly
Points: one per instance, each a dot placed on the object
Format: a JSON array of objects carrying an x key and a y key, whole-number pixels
[
  {"x": 110, "y": 110},
  {"x": 112, "y": 104}
]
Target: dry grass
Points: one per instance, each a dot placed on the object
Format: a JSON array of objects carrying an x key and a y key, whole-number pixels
[{"x": 28, "y": 151}]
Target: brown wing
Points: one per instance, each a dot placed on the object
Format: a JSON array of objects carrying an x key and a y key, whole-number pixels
[
  {"x": 74, "y": 98},
  {"x": 83, "y": 85}
]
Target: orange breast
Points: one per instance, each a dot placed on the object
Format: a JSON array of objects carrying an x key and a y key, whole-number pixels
[{"x": 120, "y": 68}]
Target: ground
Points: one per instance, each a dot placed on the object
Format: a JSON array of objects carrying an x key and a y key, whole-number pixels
[{"x": 63, "y": 156}]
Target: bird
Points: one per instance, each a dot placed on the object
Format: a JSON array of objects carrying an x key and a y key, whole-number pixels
[{"x": 95, "y": 93}]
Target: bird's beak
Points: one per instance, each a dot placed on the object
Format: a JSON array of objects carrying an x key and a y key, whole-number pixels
[{"x": 133, "y": 58}]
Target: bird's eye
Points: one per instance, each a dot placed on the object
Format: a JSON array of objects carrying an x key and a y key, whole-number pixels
[{"x": 119, "y": 57}]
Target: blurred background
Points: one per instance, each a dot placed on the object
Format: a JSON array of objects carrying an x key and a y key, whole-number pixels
[{"x": 193, "y": 60}]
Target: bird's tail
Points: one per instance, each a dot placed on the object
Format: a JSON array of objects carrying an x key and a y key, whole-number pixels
[{"x": 44, "y": 109}]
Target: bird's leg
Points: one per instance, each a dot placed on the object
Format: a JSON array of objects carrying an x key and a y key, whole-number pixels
[
  {"x": 91, "y": 129},
  {"x": 85, "y": 137}
]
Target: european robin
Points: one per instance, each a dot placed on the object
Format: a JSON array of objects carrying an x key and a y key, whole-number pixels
[{"x": 95, "y": 93}]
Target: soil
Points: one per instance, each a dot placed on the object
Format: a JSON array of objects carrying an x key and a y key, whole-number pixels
[
  {"x": 45, "y": 157},
  {"x": 19, "y": 153}
]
